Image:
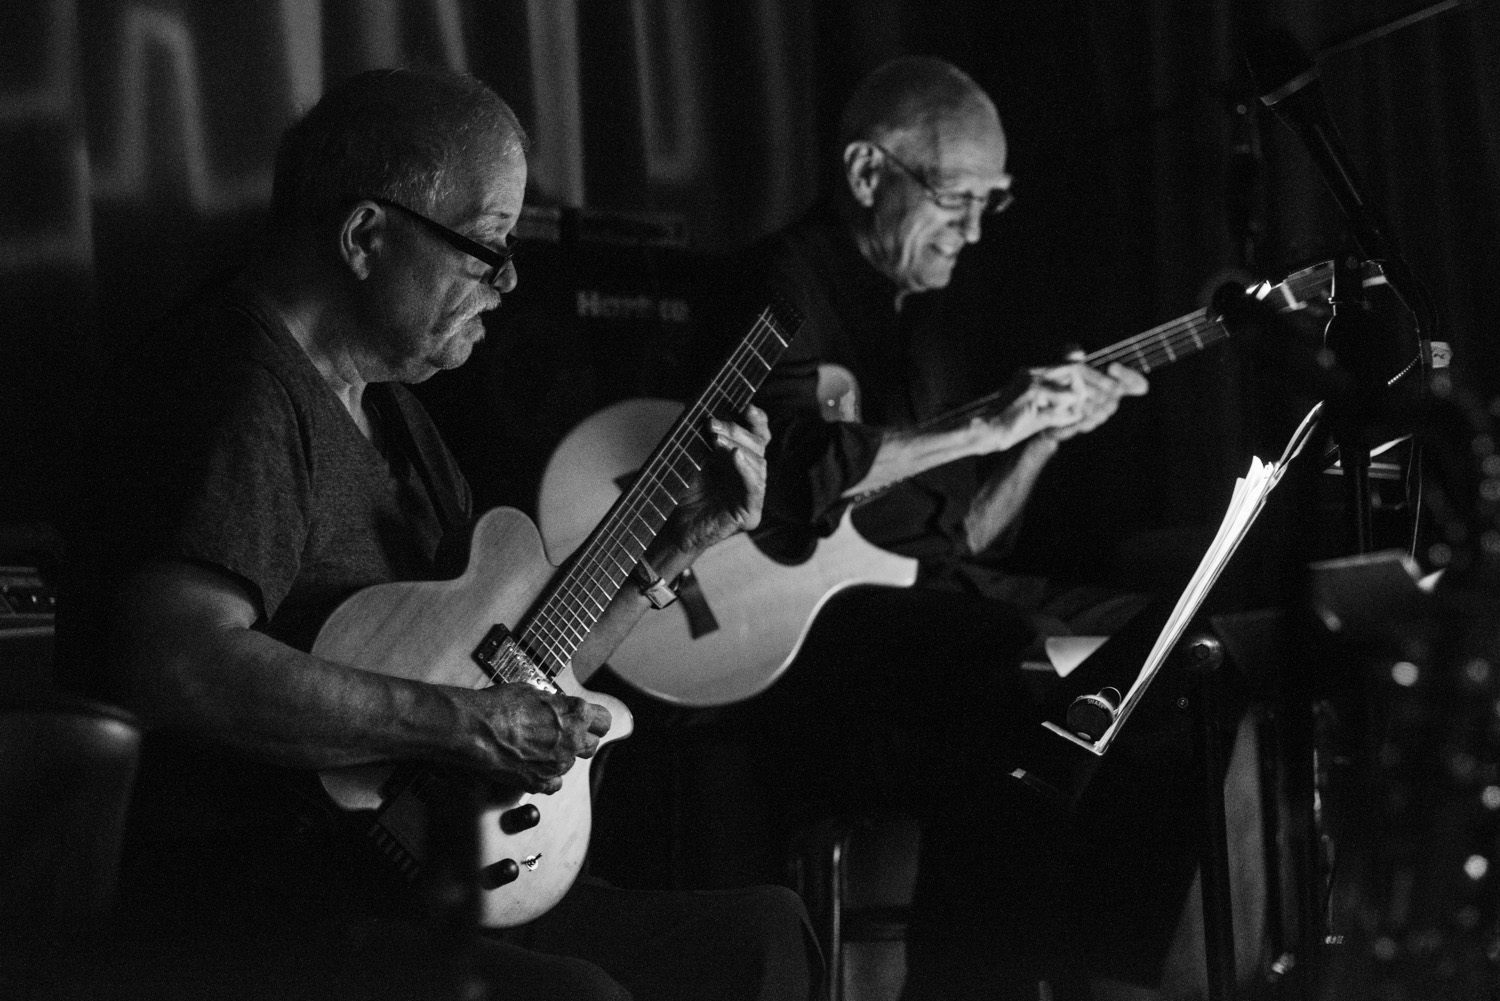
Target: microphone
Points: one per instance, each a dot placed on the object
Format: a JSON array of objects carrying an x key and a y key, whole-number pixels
[
  {"x": 1291, "y": 87},
  {"x": 1091, "y": 715}
]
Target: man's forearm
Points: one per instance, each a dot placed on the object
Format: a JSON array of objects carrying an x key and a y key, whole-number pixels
[
  {"x": 905, "y": 453},
  {"x": 1000, "y": 501},
  {"x": 264, "y": 699}
]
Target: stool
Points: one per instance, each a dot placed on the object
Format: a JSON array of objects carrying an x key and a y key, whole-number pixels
[{"x": 857, "y": 875}]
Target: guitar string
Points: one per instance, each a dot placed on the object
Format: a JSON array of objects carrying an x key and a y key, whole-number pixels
[
  {"x": 565, "y": 618},
  {"x": 1167, "y": 338},
  {"x": 550, "y": 627},
  {"x": 652, "y": 483},
  {"x": 1149, "y": 350}
]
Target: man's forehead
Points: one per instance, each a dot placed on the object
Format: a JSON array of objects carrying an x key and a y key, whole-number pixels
[
  {"x": 969, "y": 148},
  {"x": 489, "y": 190}
]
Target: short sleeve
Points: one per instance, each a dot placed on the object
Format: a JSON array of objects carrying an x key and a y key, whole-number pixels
[{"x": 246, "y": 508}]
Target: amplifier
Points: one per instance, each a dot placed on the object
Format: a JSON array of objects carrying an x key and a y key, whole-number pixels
[{"x": 607, "y": 306}]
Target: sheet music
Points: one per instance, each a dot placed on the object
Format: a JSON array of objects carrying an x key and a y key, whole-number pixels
[{"x": 1250, "y": 493}]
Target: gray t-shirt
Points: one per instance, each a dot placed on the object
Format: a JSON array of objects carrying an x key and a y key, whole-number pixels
[{"x": 218, "y": 442}]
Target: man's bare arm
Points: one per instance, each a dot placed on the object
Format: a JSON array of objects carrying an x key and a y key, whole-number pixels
[
  {"x": 196, "y": 666},
  {"x": 1067, "y": 396},
  {"x": 999, "y": 502}
]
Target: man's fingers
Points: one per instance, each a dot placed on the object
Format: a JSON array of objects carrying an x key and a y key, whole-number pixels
[
  {"x": 1132, "y": 383},
  {"x": 598, "y": 718},
  {"x": 760, "y": 423},
  {"x": 732, "y": 436}
]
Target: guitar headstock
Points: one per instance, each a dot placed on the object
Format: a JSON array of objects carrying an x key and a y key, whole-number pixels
[{"x": 1311, "y": 288}]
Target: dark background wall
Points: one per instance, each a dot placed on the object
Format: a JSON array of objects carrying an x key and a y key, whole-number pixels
[{"x": 137, "y": 138}]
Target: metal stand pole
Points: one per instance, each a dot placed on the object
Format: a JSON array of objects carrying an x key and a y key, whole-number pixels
[{"x": 1204, "y": 655}]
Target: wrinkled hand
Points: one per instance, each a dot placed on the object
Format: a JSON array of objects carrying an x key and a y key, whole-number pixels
[
  {"x": 532, "y": 737},
  {"x": 1073, "y": 399},
  {"x": 729, "y": 495}
]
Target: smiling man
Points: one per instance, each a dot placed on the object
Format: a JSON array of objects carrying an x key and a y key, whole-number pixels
[
  {"x": 923, "y": 171},
  {"x": 923, "y": 166}
]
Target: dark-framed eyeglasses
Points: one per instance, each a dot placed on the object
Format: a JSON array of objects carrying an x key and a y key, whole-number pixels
[
  {"x": 997, "y": 200},
  {"x": 496, "y": 259}
]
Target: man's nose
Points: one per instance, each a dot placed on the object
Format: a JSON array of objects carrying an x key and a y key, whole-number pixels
[
  {"x": 972, "y": 219},
  {"x": 508, "y": 277}
]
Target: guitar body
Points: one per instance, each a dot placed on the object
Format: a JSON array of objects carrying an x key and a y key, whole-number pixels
[
  {"x": 427, "y": 631},
  {"x": 762, "y": 608}
]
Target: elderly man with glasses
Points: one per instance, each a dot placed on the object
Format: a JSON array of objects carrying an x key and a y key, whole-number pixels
[
  {"x": 266, "y": 461},
  {"x": 939, "y": 666}
]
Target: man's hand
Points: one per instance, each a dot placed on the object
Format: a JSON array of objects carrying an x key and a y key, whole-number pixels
[
  {"x": 532, "y": 737},
  {"x": 729, "y": 495},
  {"x": 1068, "y": 400}
]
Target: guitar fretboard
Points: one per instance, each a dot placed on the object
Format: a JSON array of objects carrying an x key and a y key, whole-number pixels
[
  {"x": 559, "y": 623},
  {"x": 1151, "y": 349},
  {"x": 1172, "y": 341}
]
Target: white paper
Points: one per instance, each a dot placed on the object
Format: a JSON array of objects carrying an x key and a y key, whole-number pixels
[{"x": 1250, "y": 493}]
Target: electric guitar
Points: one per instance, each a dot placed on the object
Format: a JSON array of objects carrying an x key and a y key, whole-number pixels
[
  {"x": 745, "y": 614},
  {"x": 513, "y": 617}
]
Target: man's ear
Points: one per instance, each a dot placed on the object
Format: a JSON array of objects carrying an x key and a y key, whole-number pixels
[
  {"x": 862, "y": 162},
  {"x": 362, "y": 237}
]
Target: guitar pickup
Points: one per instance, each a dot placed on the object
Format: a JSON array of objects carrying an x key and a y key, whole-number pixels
[{"x": 503, "y": 659}]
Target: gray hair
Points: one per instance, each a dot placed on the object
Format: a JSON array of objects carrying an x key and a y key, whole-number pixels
[
  {"x": 389, "y": 133},
  {"x": 901, "y": 102}
]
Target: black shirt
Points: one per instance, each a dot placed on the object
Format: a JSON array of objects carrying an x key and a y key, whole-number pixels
[{"x": 910, "y": 364}]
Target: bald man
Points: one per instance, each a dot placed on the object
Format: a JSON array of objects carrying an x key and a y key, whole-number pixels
[{"x": 908, "y": 696}]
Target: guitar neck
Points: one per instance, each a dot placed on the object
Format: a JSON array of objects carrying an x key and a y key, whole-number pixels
[
  {"x": 1160, "y": 346},
  {"x": 572, "y": 606},
  {"x": 1176, "y": 339}
]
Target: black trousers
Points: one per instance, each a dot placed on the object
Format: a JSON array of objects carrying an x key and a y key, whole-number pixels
[
  {"x": 912, "y": 699},
  {"x": 200, "y": 921}
]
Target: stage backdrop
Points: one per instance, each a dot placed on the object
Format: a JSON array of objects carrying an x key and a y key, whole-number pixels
[{"x": 138, "y": 134}]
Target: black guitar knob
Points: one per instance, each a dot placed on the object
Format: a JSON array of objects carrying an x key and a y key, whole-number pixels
[
  {"x": 1090, "y": 715},
  {"x": 499, "y": 873},
  {"x": 520, "y": 819}
]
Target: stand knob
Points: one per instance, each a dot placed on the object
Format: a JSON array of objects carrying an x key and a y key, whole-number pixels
[{"x": 1091, "y": 715}]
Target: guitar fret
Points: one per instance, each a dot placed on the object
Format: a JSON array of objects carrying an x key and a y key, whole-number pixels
[
  {"x": 758, "y": 358},
  {"x": 748, "y": 384},
  {"x": 581, "y": 594},
  {"x": 622, "y": 566}
]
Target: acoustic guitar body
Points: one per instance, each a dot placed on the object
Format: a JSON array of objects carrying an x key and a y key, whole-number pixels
[{"x": 761, "y": 609}]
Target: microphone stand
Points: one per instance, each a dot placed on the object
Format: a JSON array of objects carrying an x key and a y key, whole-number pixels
[
  {"x": 1346, "y": 340},
  {"x": 1292, "y": 89},
  {"x": 1357, "y": 392}
]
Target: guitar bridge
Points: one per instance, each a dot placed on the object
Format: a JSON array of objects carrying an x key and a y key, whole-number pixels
[{"x": 503, "y": 659}]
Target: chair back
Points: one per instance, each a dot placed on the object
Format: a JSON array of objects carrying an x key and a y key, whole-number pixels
[{"x": 67, "y": 765}]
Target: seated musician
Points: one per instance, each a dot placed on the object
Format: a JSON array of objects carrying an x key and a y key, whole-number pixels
[
  {"x": 259, "y": 461},
  {"x": 923, "y": 169}
]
